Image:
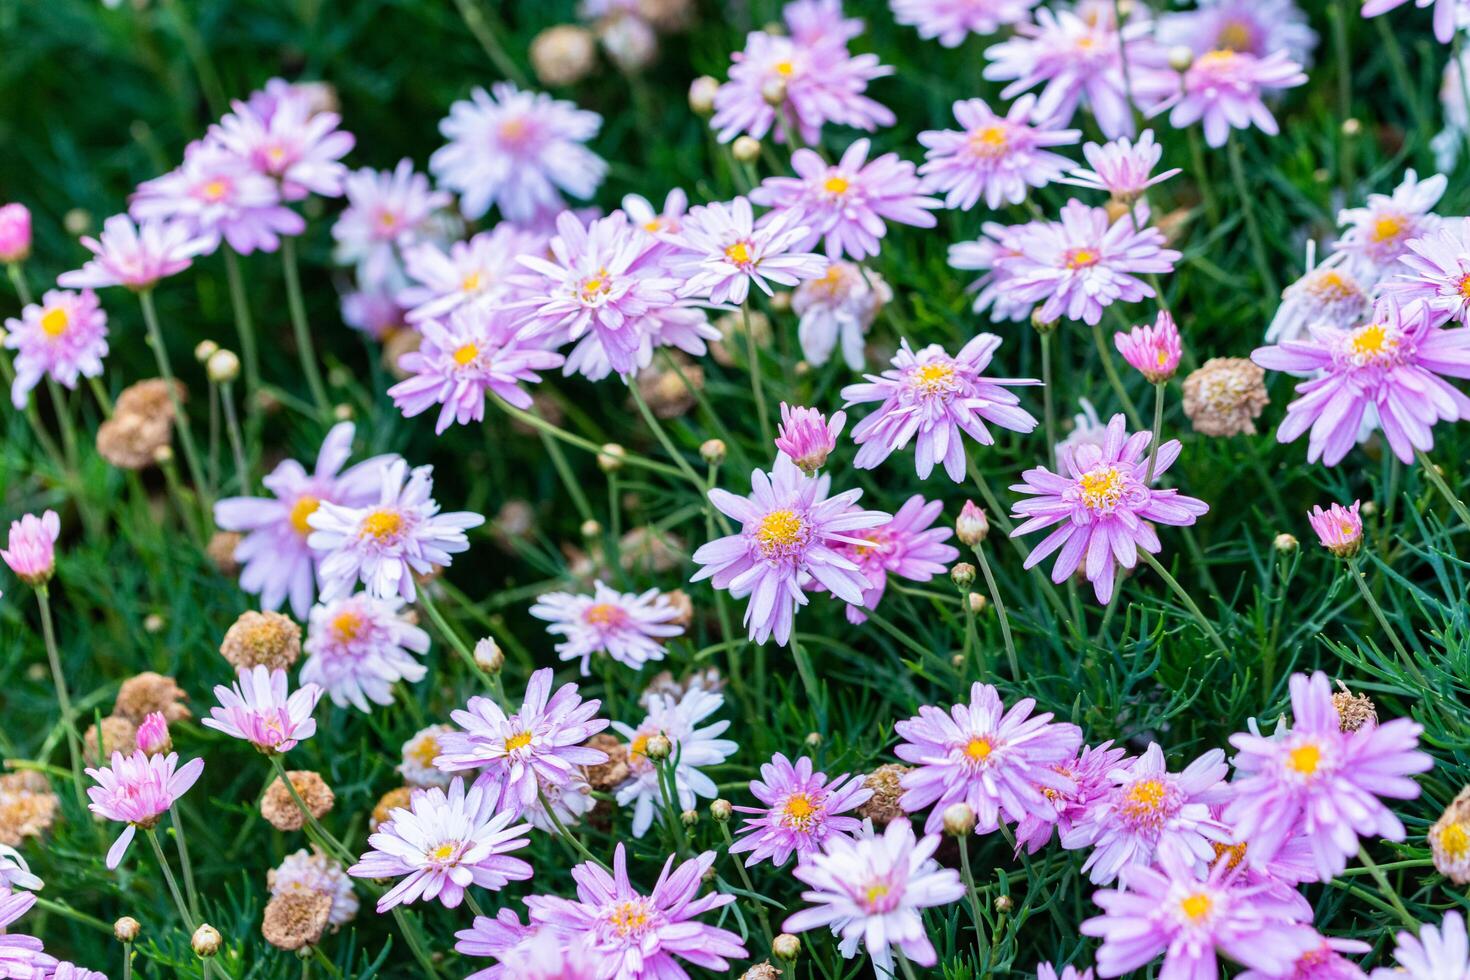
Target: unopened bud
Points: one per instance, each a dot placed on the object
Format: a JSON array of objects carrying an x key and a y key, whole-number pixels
[
  {"x": 786, "y": 946},
  {"x": 963, "y": 575},
  {"x": 223, "y": 366},
  {"x": 977, "y": 602},
  {"x": 972, "y": 525},
  {"x": 126, "y": 929},
  {"x": 774, "y": 90},
  {"x": 689, "y": 818},
  {"x": 780, "y": 303},
  {"x": 204, "y": 350},
  {"x": 1285, "y": 543},
  {"x": 342, "y": 413},
  {"x": 163, "y": 455},
  {"x": 1181, "y": 58},
  {"x": 1368, "y": 509},
  {"x": 712, "y": 451},
  {"x": 488, "y": 656},
  {"x": 813, "y": 739},
  {"x": 153, "y": 623},
  {"x": 590, "y": 528},
  {"x": 1042, "y": 325},
  {"x": 702, "y": 95},
  {"x": 659, "y": 748},
  {"x": 206, "y": 941},
  {"x": 1352, "y": 126},
  {"x": 720, "y": 811},
  {"x": 1004, "y": 904},
  {"x": 959, "y": 819},
  {"x": 746, "y": 149},
  {"x": 610, "y": 457}
]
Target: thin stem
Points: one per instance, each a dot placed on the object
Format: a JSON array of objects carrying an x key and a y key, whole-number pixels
[
  {"x": 561, "y": 831},
  {"x": 1153, "y": 443},
  {"x": 1455, "y": 502},
  {"x": 1189, "y": 603},
  {"x": 492, "y": 683},
  {"x": 685, "y": 470},
  {"x": 1388, "y": 891},
  {"x": 809, "y": 681},
  {"x": 1339, "y": 15},
  {"x": 304, "y": 347},
  {"x": 181, "y": 417},
  {"x": 1202, "y": 177},
  {"x": 568, "y": 480},
  {"x": 414, "y": 940},
  {"x": 245, "y": 328},
  {"x": 104, "y": 401},
  {"x": 484, "y": 33},
  {"x": 1000, "y": 609},
  {"x": 1356, "y": 572},
  {"x": 760, "y": 907},
  {"x": 18, "y": 280},
  {"x": 541, "y": 425},
  {"x": 752, "y": 357},
  {"x": 184, "y": 862},
  {"x": 67, "y": 912},
  {"x": 469, "y": 900},
  {"x": 332, "y": 842},
  {"x": 64, "y": 422},
  {"x": 1046, "y": 397},
  {"x": 63, "y": 697},
  {"x": 969, "y": 876},
  {"x": 1252, "y": 226},
  {"x": 173, "y": 886},
  {"x": 903, "y": 964},
  {"x": 237, "y": 440},
  {"x": 1114, "y": 379},
  {"x": 127, "y": 961},
  {"x": 1118, "y": 21},
  {"x": 209, "y": 82}
]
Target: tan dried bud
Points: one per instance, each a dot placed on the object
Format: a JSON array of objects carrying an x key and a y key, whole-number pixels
[
  {"x": 126, "y": 929},
  {"x": 141, "y": 424},
  {"x": 963, "y": 575},
  {"x": 1286, "y": 543},
  {"x": 761, "y": 971},
  {"x": 746, "y": 149},
  {"x": 702, "y": 95},
  {"x": 882, "y": 807},
  {"x": 394, "y": 799},
  {"x": 206, "y": 941},
  {"x": 679, "y": 599},
  {"x": 28, "y": 807},
  {"x": 1354, "y": 711},
  {"x": 786, "y": 947},
  {"x": 153, "y": 623},
  {"x": 659, "y": 748},
  {"x": 563, "y": 55},
  {"x": 773, "y": 90},
  {"x": 689, "y": 818},
  {"x": 1181, "y": 58},
  {"x": 204, "y": 350},
  {"x": 720, "y": 811},
  {"x": 977, "y": 602},
  {"x": 1004, "y": 904},
  {"x": 142, "y": 694},
  {"x": 610, "y": 457},
  {"x": 609, "y": 774},
  {"x": 221, "y": 551},
  {"x": 590, "y": 528},
  {"x": 712, "y": 451},
  {"x": 297, "y": 919},
  {"x": 972, "y": 526},
  {"x": 262, "y": 638},
  {"x": 1224, "y": 396},
  {"x": 281, "y": 811},
  {"x": 1042, "y": 325}
]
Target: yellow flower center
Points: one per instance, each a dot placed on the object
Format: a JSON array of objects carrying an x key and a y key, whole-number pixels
[
  {"x": 785, "y": 69},
  {"x": 1144, "y": 799},
  {"x": 1081, "y": 258},
  {"x": 513, "y": 130},
  {"x": 978, "y": 749},
  {"x": 277, "y": 154},
  {"x": 1304, "y": 759},
  {"x": 1231, "y": 854},
  {"x": 595, "y": 286},
  {"x": 305, "y": 506},
  {"x": 1454, "y": 841},
  {"x": 779, "y": 529},
  {"x": 1370, "y": 340},
  {"x": 934, "y": 377},
  {"x": 604, "y": 614},
  {"x": 381, "y": 524},
  {"x": 1101, "y": 487},
  {"x": 639, "y": 745},
  {"x": 442, "y": 853},
  {"x": 1219, "y": 58},
  {"x": 1465, "y": 287},
  {"x": 738, "y": 254},
  {"x": 470, "y": 283},
  {"x": 656, "y": 225},
  {"x": 1387, "y": 228},
  {"x": 518, "y": 741},
  {"x": 989, "y": 141},
  {"x": 466, "y": 354},
  {"x": 1195, "y": 907},
  {"x": 214, "y": 190},
  {"x": 800, "y": 812},
  {"x": 836, "y": 185},
  {"x": 876, "y": 892},
  {"x": 1329, "y": 286},
  {"x": 387, "y": 220},
  {"x": 425, "y": 751},
  {"x": 629, "y": 917},
  {"x": 55, "y": 321},
  {"x": 1235, "y": 36},
  {"x": 347, "y": 626}
]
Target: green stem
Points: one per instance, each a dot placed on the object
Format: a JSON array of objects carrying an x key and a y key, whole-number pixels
[
  {"x": 127, "y": 961},
  {"x": 969, "y": 876},
  {"x": 18, "y": 280},
  {"x": 492, "y": 683},
  {"x": 1455, "y": 502},
  {"x": 181, "y": 417},
  {"x": 65, "y": 423},
  {"x": 1356, "y": 572},
  {"x": 1339, "y": 15},
  {"x": 1153, "y": 443},
  {"x": 484, "y": 33},
  {"x": 574, "y": 842},
  {"x": 173, "y": 886},
  {"x": 198, "y": 52},
  {"x": 1252, "y": 226},
  {"x": 1047, "y": 399},
  {"x": 63, "y": 697},
  {"x": 1189, "y": 603},
  {"x": 752, "y": 357},
  {"x": 104, "y": 401},
  {"x": 305, "y": 349},
  {"x": 1202, "y": 177},
  {"x": 684, "y": 469},
  {"x": 541, "y": 425},
  {"x": 760, "y": 907},
  {"x": 184, "y": 862},
  {"x": 1000, "y": 609},
  {"x": 904, "y": 964},
  {"x": 1388, "y": 891},
  {"x": 67, "y": 912},
  {"x": 415, "y": 941},
  {"x": 809, "y": 681},
  {"x": 332, "y": 842},
  {"x": 237, "y": 441},
  {"x": 1114, "y": 379},
  {"x": 568, "y": 480},
  {"x": 245, "y": 328}
]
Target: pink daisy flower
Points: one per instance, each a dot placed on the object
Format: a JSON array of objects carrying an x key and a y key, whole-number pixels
[
  {"x": 806, "y": 437},
  {"x": 384, "y": 544},
  {"x": 630, "y": 629},
  {"x": 541, "y": 740},
  {"x": 908, "y": 546},
  {"x": 1256, "y": 27},
  {"x": 1437, "y": 953},
  {"x": 600, "y": 280},
  {"x": 442, "y": 844},
  {"x": 1322, "y": 780},
  {"x": 258, "y": 710},
  {"x": 1325, "y": 962},
  {"x": 1329, "y": 294},
  {"x": 477, "y": 350},
  {"x": 1388, "y": 373},
  {"x": 994, "y": 156},
  {"x": 677, "y": 718},
  {"x": 801, "y": 810},
  {"x": 951, "y": 21},
  {"x": 518, "y": 150},
  {"x": 1378, "y": 234},
  {"x": 1446, "y": 13},
  {"x": 544, "y": 954},
  {"x": 30, "y": 550},
  {"x": 654, "y": 221},
  {"x": 1154, "y": 351},
  {"x": 153, "y": 737},
  {"x": 1339, "y": 529},
  {"x": 1100, "y": 507},
  {"x": 1169, "y": 910},
  {"x": 631, "y": 935},
  {"x": 70, "y": 971},
  {"x": 872, "y": 890},
  {"x": 1439, "y": 271},
  {"x": 15, "y": 233},
  {"x": 376, "y": 312},
  {"x": 837, "y": 309},
  {"x": 137, "y": 790},
  {"x": 1080, "y": 265},
  {"x": 1124, "y": 168},
  {"x": 723, "y": 252},
  {"x": 789, "y": 530},
  {"x": 1152, "y": 814},
  {"x": 1224, "y": 89},
  {"x": 995, "y": 760},
  {"x": 500, "y": 938},
  {"x": 217, "y": 194},
  {"x": 136, "y": 256},
  {"x": 294, "y": 143},
  {"x": 277, "y": 564},
  {"x": 937, "y": 398},
  {"x": 846, "y": 204},
  {"x": 63, "y": 337},
  {"x": 357, "y": 648},
  {"x": 1046, "y": 971},
  {"x": 21, "y": 955},
  {"x": 994, "y": 254},
  {"x": 479, "y": 269},
  {"x": 1066, "y": 808},
  {"x": 386, "y": 212}
]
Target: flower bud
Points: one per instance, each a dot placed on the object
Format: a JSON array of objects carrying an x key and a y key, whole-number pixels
[
  {"x": 959, "y": 819},
  {"x": 126, "y": 929},
  {"x": 610, "y": 457},
  {"x": 563, "y": 55},
  {"x": 1042, "y": 325},
  {"x": 720, "y": 811},
  {"x": 712, "y": 451},
  {"x": 689, "y": 818},
  {"x": 972, "y": 525},
  {"x": 77, "y": 221},
  {"x": 590, "y": 528},
  {"x": 786, "y": 946},
  {"x": 1339, "y": 529},
  {"x": 206, "y": 940},
  {"x": 659, "y": 748},
  {"x": 1285, "y": 543},
  {"x": 1352, "y": 127},
  {"x": 1004, "y": 904},
  {"x": 204, "y": 350},
  {"x": 15, "y": 233},
  {"x": 488, "y": 656},
  {"x": 629, "y": 42},
  {"x": 963, "y": 575},
  {"x": 746, "y": 149},
  {"x": 153, "y": 736},
  {"x": 153, "y": 624},
  {"x": 702, "y": 95},
  {"x": 774, "y": 90},
  {"x": 1181, "y": 58},
  {"x": 977, "y": 602},
  {"x": 223, "y": 366}
]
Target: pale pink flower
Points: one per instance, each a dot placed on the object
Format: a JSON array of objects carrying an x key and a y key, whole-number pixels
[
  {"x": 723, "y": 252},
  {"x": 137, "y": 790},
  {"x": 64, "y": 337},
  {"x": 995, "y": 156},
  {"x": 1224, "y": 89},
  {"x": 1154, "y": 351},
  {"x": 951, "y": 21},
  {"x": 257, "y": 709},
  {"x": 31, "y": 554},
  {"x": 1338, "y": 528},
  {"x": 153, "y": 735},
  {"x": 1124, "y": 168},
  {"x": 136, "y": 256},
  {"x": 1446, "y": 14},
  {"x": 15, "y": 233},
  {"x": 630, "y": 629}
]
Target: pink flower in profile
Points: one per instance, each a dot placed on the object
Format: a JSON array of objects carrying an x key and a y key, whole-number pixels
[
  {"x": 540, "y": 741},
  {"x": 384, "y": 544},
  {"x": 1085, "y": 262},
  {"x": 1224, "y": 89},
  {"x": 387, "y": 211},
  {"x": 21, "y": 955},
  {"x": 994, "y": 156},
  {"x": 137, "y": 790},
  {"x": 518, "y": 150},
  {"x": 1124, "y": 168},
  {"x": 443, "y": 843},
  {"x": 15, "y": 233},
  {"x": 1169, "y": 910},
  {"x": 630, "y": 629},
  {"x": 846, "y": 204},
  {"x": 476, "y": 351},
  {"x": 1322, "y": 781},
  {"x": 1388, "y": 373},
  {"x": 63, "y": 337},
  {"x": 1339, "y": 529},
  {"x": 1438, "y": 953},
  {"x": 801, "y": 810},
  {"x": 31, "y": 554},
  {"x": 1154, "y": 351},
  {"x": 217, "y": 194},
  {"x": 632, "y": 935},
  {"x": 995, "y": 253},
  {"x": 951, "y": 21},
  {"x": 1066, "y": 808},
  {"x": 906, "y": 546},
  {"x": 790, "y": 535},
  {"x": 723, "y": 252},
  {"x": 935, "y": 399},
  {"x": 1100, "y": 507},
  {"x": 136, "y": 256},
  {"x": 1438, "y": 270},
  {"x": 997, "y": 760},
  {"x": 1446, "y": 13},
  {"x": 1151, "y": 814},
  {"x": 294, "y": 143},
  {"x": 153, "y": 736},
  {"x": 277, "y": 563},
  {"x": 257, "y": 709},
  {"x": 807, "y": 437},
  {"x": 1323, "y": 962},
  {"x": 872, "y": 890}
]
